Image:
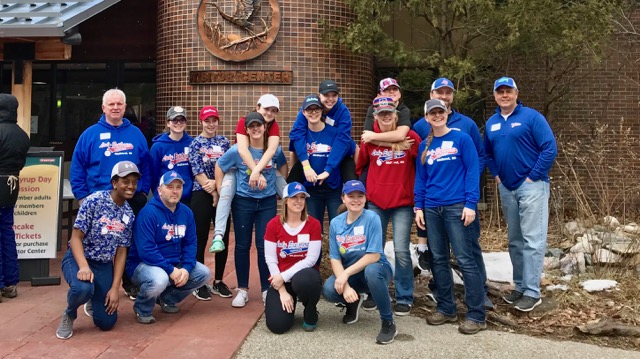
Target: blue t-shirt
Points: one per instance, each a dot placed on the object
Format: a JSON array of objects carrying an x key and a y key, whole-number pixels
[
  {"x": 232, "y": 159},
  {"x": 350, "y": 242},
  {"x": 203, "y": 155},
  {"x": 106, "y": 226}
]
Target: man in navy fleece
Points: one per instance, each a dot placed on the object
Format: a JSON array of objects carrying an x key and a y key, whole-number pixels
[
  {"x": 520, "y": 149},
  {"x": 162, "y": 260}
]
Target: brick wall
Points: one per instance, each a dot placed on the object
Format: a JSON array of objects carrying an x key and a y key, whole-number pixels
[{"x": 297, "y": 48}]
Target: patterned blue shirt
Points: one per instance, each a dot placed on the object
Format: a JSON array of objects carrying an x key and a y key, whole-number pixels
[
  {"x": 204, "y": 153},
  {"x": 106, "y": 226}
]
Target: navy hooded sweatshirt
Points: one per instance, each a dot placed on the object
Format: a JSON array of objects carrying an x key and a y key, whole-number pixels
[
  {"x": 14, "y": 144},
  {"x": 167, "y": 155}
]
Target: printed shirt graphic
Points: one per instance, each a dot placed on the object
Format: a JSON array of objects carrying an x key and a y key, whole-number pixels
[
  {"x": 116, "y": 148},
  {"x": 106, "y": 226},
  {"x": 383, "y": 156},
  {"x": 350, "y": 242},
  {"x": 205, "y": 152},
  {"x": 291, "y": 248},
  {"x": 174, "y": 231}
]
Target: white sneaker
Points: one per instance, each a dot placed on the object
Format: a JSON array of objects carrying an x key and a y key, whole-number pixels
[
  {"x": 241, "y": 298},
  {"x": 264, "y": 297}
]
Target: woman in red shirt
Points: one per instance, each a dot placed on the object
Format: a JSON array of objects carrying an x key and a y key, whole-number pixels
[{"x": 292, "y": 246}]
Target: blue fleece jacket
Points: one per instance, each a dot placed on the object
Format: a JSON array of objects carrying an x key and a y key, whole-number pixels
[
  {"x": 457, "y": 121},
  {"x": 169, "y": 155},
  {"x": 521, "y": 146},
  {"x": 162, "y": 238},
  {"x": 450, "y": 174},
  {"x": 99, "y": 148},
  {"x": 338, "y": 117},
  {"x": 317, "y": 147}
]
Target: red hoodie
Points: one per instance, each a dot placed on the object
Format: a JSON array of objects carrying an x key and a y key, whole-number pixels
[{"x": 391, "y": 174}]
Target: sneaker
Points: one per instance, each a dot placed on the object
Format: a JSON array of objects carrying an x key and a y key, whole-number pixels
[
  {"x": 167, "y": 308},
  {"x": 424, "y": 260},
  {"x": 402, "y": 309},
  {"x": 264, "y": 297},
  {"x": 431, "y": 297},
  {"x": 221, "y": 289},
  {"x": 65, "y": 328},
  {"x": 488, "y": 304},
  {"x": 145, "y": 319},
  {"x": 9, "y": 291},
  {"x": 132, "y": 293},
  {"x": 351, "y": 316},
  {"x": 217, "y": 245},
  {"x": 438, "y": 318},
  {"x": 241, "y": 299},
  {"x": 369, "y": 304},
  {"x": 88, "y": 309},
  {"x": 512, "y": 297},
  {"x": 471, "y": 327},
  {"x": 387, "y": 333},
  {"x": 309, "y": 327},
  {"x": 527, "y": 303},
  {"x": 310, "y": 318},
  {"x": 202, "y": 293},
  {"x": 340, "y": 305}
]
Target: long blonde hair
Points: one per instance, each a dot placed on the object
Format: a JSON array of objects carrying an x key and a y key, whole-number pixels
[
  {"x": 284, "y": 213},
  {"x": 423, "y": 158}
]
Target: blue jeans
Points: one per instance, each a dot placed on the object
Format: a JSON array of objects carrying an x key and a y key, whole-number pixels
[
  {"x": 227, "y": 192},
  {"x": 81, "y": 292},
  {"x": 374, "y": 279},
  {"x": 8, "y": 251},
  {"x": 322, "y": 197},
  {"x": 402, "y": 220},
  {"x": 248, "y": 211},
  {"x": 526, "y": 211},
  {"x": 445, "y": 229},
  {"x": 155, "y": 283}
]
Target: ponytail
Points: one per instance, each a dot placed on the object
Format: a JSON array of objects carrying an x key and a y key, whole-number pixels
[{"x": 423, "y": 158}]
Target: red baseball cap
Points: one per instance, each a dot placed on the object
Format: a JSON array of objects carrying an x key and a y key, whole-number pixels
[{"x": 208, "y": 111}]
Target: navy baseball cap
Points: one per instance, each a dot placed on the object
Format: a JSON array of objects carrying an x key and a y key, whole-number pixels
[
  {"x": 352, "y": 186},
  {"x": 505, "y": 81},
  {"x": 442, "y": 82},
  {"x": 253, "y": 117},
  {"x": 310, "y": 101}
]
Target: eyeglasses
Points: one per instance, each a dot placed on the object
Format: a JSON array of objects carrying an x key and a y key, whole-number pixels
[
  {"x": 313, "y": 110},
  {"x": 179, "y": 120}
]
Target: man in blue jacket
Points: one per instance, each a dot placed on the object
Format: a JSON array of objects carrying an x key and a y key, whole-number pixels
[
  {"x": 100, "y": 147},
  {"x": 521, "y": 148},
  {"x": 162, "y": 260}
]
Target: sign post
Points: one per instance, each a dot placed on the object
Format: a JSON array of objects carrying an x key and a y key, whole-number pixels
[{"x": 38, "y": 216}]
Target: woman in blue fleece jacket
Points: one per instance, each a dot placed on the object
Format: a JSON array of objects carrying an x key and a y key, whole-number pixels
[{"x": 170, "y": 152}]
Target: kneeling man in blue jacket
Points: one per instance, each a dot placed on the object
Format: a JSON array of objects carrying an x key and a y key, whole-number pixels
[{"x": 162, "y": 260}]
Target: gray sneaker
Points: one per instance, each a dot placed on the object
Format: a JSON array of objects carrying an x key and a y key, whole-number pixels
[
  {"x": 512, "y": 297},
  {"x": 527, "y": 303},
  {"x": 65, "y": 328},
  {"x": 387, "y": 333},
  {"x": 145, "y": 319},
  {"x": 167, "y": 308},
  {"x": 471, "y": 327},
  {"x": 88, "y": 309},
  {"x": 9, "y": 291},
  {"x": 438, "y": 318}
]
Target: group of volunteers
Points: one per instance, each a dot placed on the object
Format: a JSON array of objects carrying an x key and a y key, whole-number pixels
[{"x": 428, "y": 172}]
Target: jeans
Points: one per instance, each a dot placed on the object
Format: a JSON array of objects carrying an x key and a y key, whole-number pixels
[
  {"x": 306, "y": 286},
  {"x": 204, "y": 212},
  {"x": 374, "y": 279},
  {"x": 154, "y": 283},
  {"x": 526, "y": 211},
  {"x": 322, "y": 197},
  {"x": 81, "y": 292},
  {"x": 9, "y": 273},
  {"x": 445, "y": 229},
  {"x": 227, "y": 192},
  {"x": 402, "y": 220},
  {"x": 248, "y": 211}
]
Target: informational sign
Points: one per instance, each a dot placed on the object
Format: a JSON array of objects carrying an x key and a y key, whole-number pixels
[
  {"x": 266, "y": 77},
  {"x": 37, "y": 212}
]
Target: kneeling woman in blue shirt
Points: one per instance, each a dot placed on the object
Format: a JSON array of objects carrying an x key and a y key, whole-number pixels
[
  {"x": 358, "y": 261},
  {"x": 446, "y": 194}
]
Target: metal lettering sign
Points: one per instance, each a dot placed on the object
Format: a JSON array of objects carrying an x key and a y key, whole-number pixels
[
  {"x": 268, "y": 77},
  {"x": 238, "y": 30}
]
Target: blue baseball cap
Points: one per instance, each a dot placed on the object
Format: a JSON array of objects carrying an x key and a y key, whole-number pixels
[
  {"x": 169, "y": 177},
  {"x": 352, "y": 186},
  {"x": 442, "y": 82},
  {"x": 504, "y": 81},
  {"x": 310, "y": 101},
  {"x": 293, "y": 189}
]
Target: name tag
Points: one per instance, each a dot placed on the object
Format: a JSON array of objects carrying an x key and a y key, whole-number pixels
[
  {"x": 447, "y": 144},
  {"x": 216, "y": 149},
  {"x": 125, "y": 219},
  {"x": 358, "y": 231},
  {"x": 329, "y": 121},
  {"x": 322, "y": 148},
  {"x": 186, "y": 150},
  {"x": 495, "y": 127},
  {"x": 105, "y": 135},
  {"x": 181, "y": 230},
  {"x": 303, "y": 238}
]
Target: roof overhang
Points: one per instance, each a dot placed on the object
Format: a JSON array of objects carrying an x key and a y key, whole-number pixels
[{"x": 32, "y": 18}]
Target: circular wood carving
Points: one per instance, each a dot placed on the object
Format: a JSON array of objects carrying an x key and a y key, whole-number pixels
[{"x": 238, "y": 30}]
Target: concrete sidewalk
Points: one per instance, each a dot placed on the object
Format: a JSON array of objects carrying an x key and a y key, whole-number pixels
[{"x": 416, "y": 339}]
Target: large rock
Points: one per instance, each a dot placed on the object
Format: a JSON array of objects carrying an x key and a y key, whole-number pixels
[
  {"x": 631, "y": 228},
  {"x": 611, "y": 221},
  {"x": 551, "y": 263},
  {"x": 583, "y": 246},
  {"x": 623, "y": 245},
  {"x": 572, "y": 263},
  {"x": 604, "y": 256}
]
